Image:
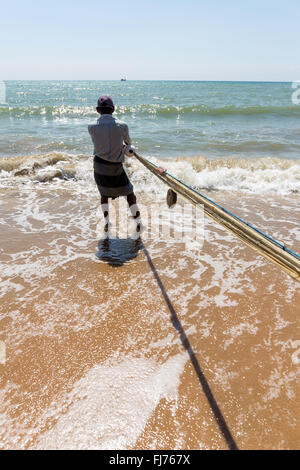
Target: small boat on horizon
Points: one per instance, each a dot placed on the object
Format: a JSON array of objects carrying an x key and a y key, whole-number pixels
[{"x": 123, "y": 79}]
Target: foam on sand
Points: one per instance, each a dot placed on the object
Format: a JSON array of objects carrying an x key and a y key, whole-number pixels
[{"x": 109, "y": 407}]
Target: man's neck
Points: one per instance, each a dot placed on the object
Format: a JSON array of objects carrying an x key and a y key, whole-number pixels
[{"x": 105, "y": 116}]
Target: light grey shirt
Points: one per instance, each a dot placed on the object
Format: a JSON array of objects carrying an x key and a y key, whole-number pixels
[{"x": 108, "y": 136}]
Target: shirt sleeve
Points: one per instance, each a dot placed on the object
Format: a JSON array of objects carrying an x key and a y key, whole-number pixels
[{"x": 127, "y": 138}]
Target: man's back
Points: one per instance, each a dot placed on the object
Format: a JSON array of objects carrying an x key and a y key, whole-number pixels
[{"x": 108, "y": 136}]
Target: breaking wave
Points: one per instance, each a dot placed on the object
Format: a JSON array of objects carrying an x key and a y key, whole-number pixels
[{"x": 264, "y": 175}]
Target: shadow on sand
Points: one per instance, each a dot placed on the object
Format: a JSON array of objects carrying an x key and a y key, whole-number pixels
[
  {"x": 117, "y": 251},
  {"x": 223, "y": 427}
]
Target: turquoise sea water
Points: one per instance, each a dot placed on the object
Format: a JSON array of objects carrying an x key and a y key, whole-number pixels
[{"x": 167, "y": 119}]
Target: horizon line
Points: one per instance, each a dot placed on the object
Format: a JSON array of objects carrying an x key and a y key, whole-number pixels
[{"x": 138, "y": 80}]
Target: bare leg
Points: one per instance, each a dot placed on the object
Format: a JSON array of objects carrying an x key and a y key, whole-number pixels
[
  {"x": 104, "y": 207},
  {"x": 131, "y": 199}
]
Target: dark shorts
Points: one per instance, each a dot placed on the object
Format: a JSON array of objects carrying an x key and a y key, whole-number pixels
[{"x": 111, "y": 178}]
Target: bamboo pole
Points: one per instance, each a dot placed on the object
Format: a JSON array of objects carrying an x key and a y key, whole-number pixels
[{"x": 272, "y": 251}]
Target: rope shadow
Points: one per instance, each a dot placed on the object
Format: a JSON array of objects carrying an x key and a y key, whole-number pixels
[{"x": 185, "y": 342}]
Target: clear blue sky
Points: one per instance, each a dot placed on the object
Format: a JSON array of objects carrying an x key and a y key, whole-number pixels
[{"x": 156, "y": 39}]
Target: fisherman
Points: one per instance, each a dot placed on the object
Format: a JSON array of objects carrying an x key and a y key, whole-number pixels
[{"x": 109, "y": 136}]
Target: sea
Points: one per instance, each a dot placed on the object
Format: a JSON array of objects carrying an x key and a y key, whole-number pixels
[{"x": 121, "y": 343}]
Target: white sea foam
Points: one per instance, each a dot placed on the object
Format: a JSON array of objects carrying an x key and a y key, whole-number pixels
[
  {"x": 262, "y": 176},
  {"x": 109, "y": 407}
]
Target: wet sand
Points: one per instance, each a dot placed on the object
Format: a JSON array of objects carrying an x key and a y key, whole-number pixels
[{"x": 96, "y": 333}]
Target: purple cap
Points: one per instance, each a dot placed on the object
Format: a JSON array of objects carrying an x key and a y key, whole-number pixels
[{"x": 105, "y": 102}]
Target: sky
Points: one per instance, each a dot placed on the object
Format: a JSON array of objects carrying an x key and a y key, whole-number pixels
[{"x": 150, "y": 40}]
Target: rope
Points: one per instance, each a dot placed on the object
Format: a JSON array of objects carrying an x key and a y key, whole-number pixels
[{"x": 271, "y": 249}]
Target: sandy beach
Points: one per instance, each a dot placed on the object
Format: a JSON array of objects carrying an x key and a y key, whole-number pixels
[
  {"x": 102, "y": 338},
  {"x": 185, "y": 339}
]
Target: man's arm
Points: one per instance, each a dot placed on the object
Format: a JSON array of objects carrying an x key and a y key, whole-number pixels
[{"x": 127, "y": 138}]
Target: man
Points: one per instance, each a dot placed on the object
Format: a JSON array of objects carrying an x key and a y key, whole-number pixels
[{"x": 109, "y": 136}]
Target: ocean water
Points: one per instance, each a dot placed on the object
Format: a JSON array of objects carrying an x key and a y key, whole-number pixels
[
  {"x": 234, "y": 135},
  {"x": 93, "y": 332},
  {"x": 166, "y": 119}
]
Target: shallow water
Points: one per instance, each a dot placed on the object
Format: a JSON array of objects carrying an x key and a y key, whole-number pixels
[
  {"x": 95, "y": 331},
  {"x": 185, "y": 339}
]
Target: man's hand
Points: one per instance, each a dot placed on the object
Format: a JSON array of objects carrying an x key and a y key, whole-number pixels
[{"x": 129, "y": 151}]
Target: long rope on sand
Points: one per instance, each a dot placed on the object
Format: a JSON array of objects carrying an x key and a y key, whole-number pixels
[{"x": 271, "y": 249}]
